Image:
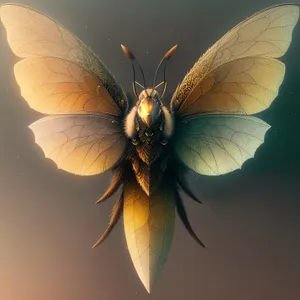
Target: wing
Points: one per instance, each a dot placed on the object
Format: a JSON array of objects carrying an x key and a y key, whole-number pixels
[
  {"x": 218, "y": 144},
  {"x": 61, "y": 76},
  {"x": 81, "y": 144},
  {"x": 57, "y": 86},
  {"x": 243, "y": 86},
  {"x": 32, "y": 34},
  {"x": 240, "y": 73}
]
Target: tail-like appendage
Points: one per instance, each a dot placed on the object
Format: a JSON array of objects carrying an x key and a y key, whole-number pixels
[
  {"x": 186, "y": 189},
  {"x": 148, "y": 220},
  {"x": 116, "y": 214},
  {"x": 117, "y": 180},
  {"x": 184, "y": 218},
  {"x": 149, "y": 227}
]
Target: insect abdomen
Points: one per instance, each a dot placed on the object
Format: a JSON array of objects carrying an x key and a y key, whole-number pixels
[{"x": 149, "y": 176}]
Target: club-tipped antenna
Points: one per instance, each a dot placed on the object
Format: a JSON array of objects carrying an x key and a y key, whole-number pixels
[
  {"x": 133, "y": 60},
  {"x": 166, "y": 57}
]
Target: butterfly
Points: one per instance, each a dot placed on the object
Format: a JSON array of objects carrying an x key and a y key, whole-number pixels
[{"x": 92, "y": 127}]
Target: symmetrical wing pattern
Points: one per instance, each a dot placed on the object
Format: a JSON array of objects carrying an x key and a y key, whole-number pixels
[{"x": 209, "y": 129}]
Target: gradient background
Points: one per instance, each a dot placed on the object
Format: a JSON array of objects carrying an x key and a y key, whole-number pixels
[{"x": 249, "y": 221}]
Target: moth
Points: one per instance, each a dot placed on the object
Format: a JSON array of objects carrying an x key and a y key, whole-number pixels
[{"x": 92, "y": 127}]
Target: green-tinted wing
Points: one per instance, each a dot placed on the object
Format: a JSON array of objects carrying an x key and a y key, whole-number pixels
[
  {"x": 232, "y": 73},
  {"x": 218, "y": 144},
  {"x": 31, "y": 34},
  {"x": 81, "y": 144}
]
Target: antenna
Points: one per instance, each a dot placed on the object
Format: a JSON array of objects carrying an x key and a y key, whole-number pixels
[
  {"x": 158, "y": 85},
  {"x": 133, "y": 60},
  {"x": 140, "y": 85},
  {"x": 165, "y": 58}
]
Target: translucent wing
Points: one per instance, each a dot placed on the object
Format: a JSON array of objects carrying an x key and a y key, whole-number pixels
[
  {"x": 266, "y": 34},
  {"x": 243, "y": 86},
  {"x": 57, "y": 86},
  {"x": 31, "y": 34},
  {"x": 149, "y": 227},
  {"x": 218, "y": 144},
  {"x": 80, "y": 144}
]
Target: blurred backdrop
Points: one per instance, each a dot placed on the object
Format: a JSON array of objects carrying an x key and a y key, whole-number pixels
[{"x": 249, "y": 219}]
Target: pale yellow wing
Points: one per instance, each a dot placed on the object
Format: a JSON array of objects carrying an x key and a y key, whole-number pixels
[
  {"x": 149, "y": 226},
  {"x": 243, "y": 86},
  {"x": 31, "y": 33},
  {"x": 218, "y": 144},
  {"x": 81, "y": 144},
  {"x": 56, "y": 86},
  {"x": 266, "y": 34}
]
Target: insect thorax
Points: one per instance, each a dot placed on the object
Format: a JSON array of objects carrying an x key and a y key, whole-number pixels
[{"x": 149, "y": 141}]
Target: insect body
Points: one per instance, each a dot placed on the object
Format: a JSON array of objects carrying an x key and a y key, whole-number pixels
[{"x": 90, "y": 126}]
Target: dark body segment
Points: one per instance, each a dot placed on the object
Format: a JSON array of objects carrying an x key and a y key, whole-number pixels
[{"x": 150, "y": 155}]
